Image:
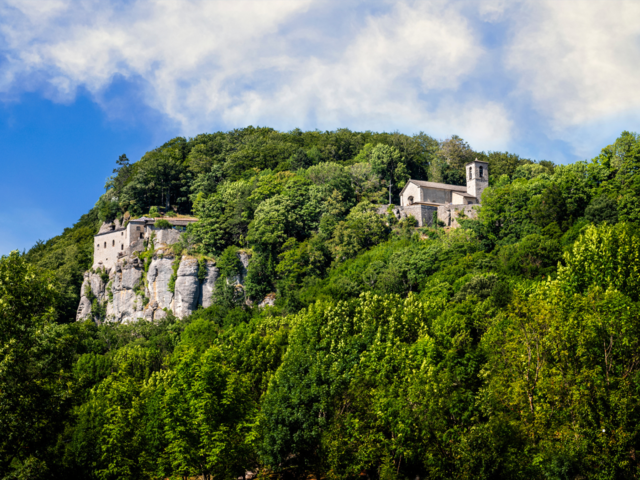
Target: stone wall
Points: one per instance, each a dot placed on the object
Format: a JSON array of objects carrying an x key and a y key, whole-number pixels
[
  {"x": 450, "y": 213},
  {"x": 424, "y": 214},
  {"x": 436, "y": 195}
]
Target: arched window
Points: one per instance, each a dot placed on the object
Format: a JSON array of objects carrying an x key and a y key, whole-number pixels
[
  {"x": 470, "y": 173},
  {"x": 481, "y": 172},
  {"x": 410, "y": 200},
  {"x": 122, "y": 247}
]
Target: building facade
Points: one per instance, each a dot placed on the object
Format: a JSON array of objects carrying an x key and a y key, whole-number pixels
[
  {"x": 450, "y": 201},
  {"x": 115, "y": 240}
]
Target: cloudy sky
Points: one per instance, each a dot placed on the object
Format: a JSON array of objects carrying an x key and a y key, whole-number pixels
[{"x": 84, "y": 81}]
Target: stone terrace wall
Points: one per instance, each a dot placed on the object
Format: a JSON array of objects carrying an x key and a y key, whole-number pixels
[
  {"x": 424, "y": 214},
  {"x": 450, "y": 213}
]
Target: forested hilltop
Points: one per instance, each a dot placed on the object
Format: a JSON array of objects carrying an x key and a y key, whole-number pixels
[{"x": 507, "y": 348}]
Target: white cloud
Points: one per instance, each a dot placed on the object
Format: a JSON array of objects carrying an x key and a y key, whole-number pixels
[
  {"x": 493, "y": 10},
  {"x": 232, "y": 63},
  {"x": 578, "y": 60}
]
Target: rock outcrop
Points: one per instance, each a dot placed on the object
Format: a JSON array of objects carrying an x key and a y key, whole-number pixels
[
  {"x": 187, "y": 288},
  {"x": 129, "y": 294}
]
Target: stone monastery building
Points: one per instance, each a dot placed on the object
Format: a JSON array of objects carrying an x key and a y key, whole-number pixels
[
  {"x": 423, "y": 199},
  {"x": 116, "y": 240}
]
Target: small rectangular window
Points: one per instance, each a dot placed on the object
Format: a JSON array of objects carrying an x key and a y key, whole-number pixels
[
  {"x": 138, "y": 229},
  {"x": 481, "y": 173}
]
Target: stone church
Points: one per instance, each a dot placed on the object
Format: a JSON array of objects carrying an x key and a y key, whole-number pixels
[{"x": 429, "y": 200}]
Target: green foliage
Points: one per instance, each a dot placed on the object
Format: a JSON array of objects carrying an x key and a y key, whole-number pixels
[
  {"x": 34, "y": 367},
  {"x": 362, "y": 229},
  {"x": 388, "y": 163},
  {"x": 229, "y": 263},
  {"x": 607, "y": 256},
  {"x": 507, "y": 348},
  {"x": 535, "y": 256},
  {"x": 171, "y": 286},
  {"x": 602, "y": 209},
  {"x": 162, "y": 224}
]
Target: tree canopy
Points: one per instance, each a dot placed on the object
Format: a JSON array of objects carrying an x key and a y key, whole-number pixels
[{"x": 506, "y": 348}]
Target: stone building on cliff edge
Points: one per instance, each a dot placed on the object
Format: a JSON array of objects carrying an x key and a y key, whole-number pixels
[
  {"x": 115, "y": 240},
  {"x": 423, "y": 199},
  {"x": 121, "y": 288}
]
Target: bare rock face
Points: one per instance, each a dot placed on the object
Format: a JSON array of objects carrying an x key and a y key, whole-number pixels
[
  {"x": 187, "y": 287},
  {"x": 84, "y": 308},
  {"x": 158, "y": 277},
  {"x": 166, "y": 236},
  {"x": 244, "y": 258},
  {"x": 268, "y": 301},
  {"x": 110, "y": 226},
  {"x": 128, "y": 296},
  {"x": 93, "y": 287},
  {"x": 97, "y": 286},
  {"x": 206, "y": 297},
  {"x": 126, "y": 303}
]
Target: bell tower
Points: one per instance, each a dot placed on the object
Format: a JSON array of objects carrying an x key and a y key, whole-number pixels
[{"x": 477, "y": 174}]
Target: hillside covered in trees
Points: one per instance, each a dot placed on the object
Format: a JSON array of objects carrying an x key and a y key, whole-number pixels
[{"x": 508, "y": 348}]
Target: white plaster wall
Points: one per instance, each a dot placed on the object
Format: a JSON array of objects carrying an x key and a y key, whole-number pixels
[
  {"x": 115, "y": 243},
  {"x": 457, "y": 199},
  {"x": 412, "y": 190},
  {"x": 475, "y": 183}
]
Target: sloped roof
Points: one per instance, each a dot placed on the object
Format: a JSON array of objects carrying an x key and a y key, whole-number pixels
[
  {"x": 438, "y": 186},
  {"x": 171, "y": 220},
  {"x": 464, "y": 194}
]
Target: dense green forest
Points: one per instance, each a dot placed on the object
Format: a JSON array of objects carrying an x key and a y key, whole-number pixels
[{"x": 507, "y": 348}]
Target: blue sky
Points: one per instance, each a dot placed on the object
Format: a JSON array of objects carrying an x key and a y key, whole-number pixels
[{"x": 83, "y": 81}]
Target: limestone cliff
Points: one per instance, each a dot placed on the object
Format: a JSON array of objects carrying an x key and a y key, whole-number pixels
[
  {"x": 127, "y": 293},
  {"x": 146, "y": 280}
]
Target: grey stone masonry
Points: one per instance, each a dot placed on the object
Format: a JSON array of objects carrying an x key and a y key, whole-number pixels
[
  {"x": 424, "y": 214},
  {"x": 449, "y": 214}
]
